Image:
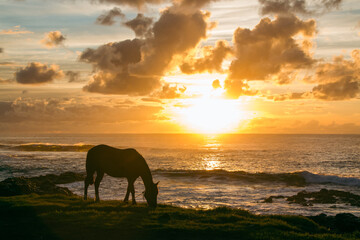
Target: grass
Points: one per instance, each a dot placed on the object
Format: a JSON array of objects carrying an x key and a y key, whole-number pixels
[{"x": 63, "y": 217}]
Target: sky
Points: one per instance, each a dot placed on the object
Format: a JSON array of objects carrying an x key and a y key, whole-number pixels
[{"x": 180, "y": 66}]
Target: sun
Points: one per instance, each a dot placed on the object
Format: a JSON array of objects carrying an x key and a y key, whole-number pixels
[{"x": 212, "y": 115}]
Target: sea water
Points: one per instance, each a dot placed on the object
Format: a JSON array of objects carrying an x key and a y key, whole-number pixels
[{"x": 205, "y": 171}]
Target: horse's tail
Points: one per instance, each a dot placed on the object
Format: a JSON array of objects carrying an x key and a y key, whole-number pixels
[{"x": 90, "y": 171}]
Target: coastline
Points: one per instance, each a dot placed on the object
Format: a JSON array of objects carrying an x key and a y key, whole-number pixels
[{"x": 59, "y": 214}]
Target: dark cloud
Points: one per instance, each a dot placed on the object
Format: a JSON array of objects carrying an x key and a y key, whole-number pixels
[
  {"x": 73, "y": 76},
  {"x": 289, "y": 96},
  {"x": 337, "y": 70},
  {"x": 108, "y": 17},
  {"x": 111, "y": 63},
  {"x": 36, "y": 73},
  {"x": 174, "y": 33},
  {"x": 53, "y": 39},
  {"x": 114, "y": 57},
  {"x": 72, "y": 111},
  {"x": 135, "y": 67},
  {"x": 236, "y": 88},
  {"x": 339, "y": 90},
  {"x": 216, "y": 84},
  {"x": 313, "y": 7},
  {"x": 269, "y": 49},
  {"x": 211, "y": 61},
  {"x": 169, "y": 92},
  {"x": 121, "y": 83},
  {"x": 141, "y": 25},
  {"x": 338, "y": 80}
]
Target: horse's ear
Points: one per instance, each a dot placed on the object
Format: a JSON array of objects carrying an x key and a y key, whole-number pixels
[{"x": 157, "y": 183}]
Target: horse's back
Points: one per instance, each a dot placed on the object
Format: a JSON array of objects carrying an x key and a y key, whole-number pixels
[{"x": 113, "y": 161}]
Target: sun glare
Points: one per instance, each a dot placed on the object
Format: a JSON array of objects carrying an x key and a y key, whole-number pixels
[{"x": 212, "y": 115}]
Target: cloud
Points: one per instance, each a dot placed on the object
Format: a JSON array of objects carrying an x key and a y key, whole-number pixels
[
  {"x": 337, "y": 70},
  {"x": 338, "y": 80},
  {"x": 108, "y": 17},
  {"x": 298, "y": 6},
  {"x": 169, "y": 92},
  {"x": 236, "y": 88},
  {"x": 151, "y": 99},
  {"x": 121, "y": 83},
  {"x": 5, "y": 81},
  {"x": 72, "y": 114},
  {"x": 174, "y": 33},
  {"x": 53, "y": 39},
  {"x": 211, "y": 61},
  {"x": 289, "y": 96},
  {"x": 1, "y": 50},
  {"x": 111, "y": 62},
  {"x": 14, "y": 31},
  {"x": 57, "y": 110},
  {"x": 271, "y": 48},
  {"x": 141, "y": 25},
  {"x": 340, "y": 90},
  {"x": 286, "y": 125},
  {"x": 37, "y": 73},
  {"x": 73, "y": 76},
  {"x": 216, "y": 84},
  {"x": 135, "y": 67}
]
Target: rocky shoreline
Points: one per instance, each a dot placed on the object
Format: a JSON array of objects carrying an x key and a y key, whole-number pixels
[
  {"x": 46, "y": 184},
  {"x": 343, "y": 222}
]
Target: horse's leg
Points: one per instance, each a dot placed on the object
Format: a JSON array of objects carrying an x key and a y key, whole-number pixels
[
  {"x": 86, "y": 183},
  {"x": 99, "y": 176},
  {"x": 126, "y": 199},
  {"x": 132, "y": 190}
]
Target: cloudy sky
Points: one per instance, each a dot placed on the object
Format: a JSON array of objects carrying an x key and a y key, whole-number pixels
[{"x": 173, "y": 66}]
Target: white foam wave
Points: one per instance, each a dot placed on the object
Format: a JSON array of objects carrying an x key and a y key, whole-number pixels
[{"x": 318, "y": 178}]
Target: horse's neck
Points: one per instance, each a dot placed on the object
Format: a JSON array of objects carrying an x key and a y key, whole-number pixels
[{"x": 147, "y": 178}]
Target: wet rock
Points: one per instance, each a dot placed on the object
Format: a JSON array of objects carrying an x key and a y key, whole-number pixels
[
  {"x": 270, "y": 199},
  {"x": 325, "y": 196},
  {"x": 342, "y": 222},
  {"x": 347, "y": 222},
  {"x": 39, "y": 185}
]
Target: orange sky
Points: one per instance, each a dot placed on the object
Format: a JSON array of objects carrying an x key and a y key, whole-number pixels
[{"x": 226, "y": 66}]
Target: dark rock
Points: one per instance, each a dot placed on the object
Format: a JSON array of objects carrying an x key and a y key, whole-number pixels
[
  {"x": 347, "y": 222},
  {"x": 270, "y": 199},
  {"x": 325, "y": 196},
  {"x": 39, "y": 185}
]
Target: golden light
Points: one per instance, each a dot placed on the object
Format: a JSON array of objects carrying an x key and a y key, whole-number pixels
[{"x": 212, "y": 115}]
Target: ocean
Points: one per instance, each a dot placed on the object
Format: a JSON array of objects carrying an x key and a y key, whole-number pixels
[{"x": 205, "y": 171}]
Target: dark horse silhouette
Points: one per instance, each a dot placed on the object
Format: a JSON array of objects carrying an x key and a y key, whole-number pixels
[{"x": 115, "y": 162}]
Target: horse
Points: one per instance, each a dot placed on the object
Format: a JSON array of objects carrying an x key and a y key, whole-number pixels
[{"x": 116, "y": 162}]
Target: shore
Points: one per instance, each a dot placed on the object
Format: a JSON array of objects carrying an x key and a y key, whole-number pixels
[{"x": 32, "y": 213}]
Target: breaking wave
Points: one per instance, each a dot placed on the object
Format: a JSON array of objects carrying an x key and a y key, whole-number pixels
[
  {"x": 330, "y": 179},
  {"x": 46, "y": 147},
  {"x": 292, "y": 179}
]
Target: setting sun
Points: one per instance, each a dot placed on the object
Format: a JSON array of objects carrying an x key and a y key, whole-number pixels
[{"x": 212, "y": 115}]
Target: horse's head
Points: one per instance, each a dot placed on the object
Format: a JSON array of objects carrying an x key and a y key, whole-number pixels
[{"x": 151, "y": 195}]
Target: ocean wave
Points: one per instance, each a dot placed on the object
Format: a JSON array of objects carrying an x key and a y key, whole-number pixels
[
  {"x": 293, "y": 179},
  {"x": 330, "y": 179},
  {"x": 46, "y": 147}
]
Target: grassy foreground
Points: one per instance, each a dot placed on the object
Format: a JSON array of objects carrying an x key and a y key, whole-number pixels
[{"x": 62, "y": 217}]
